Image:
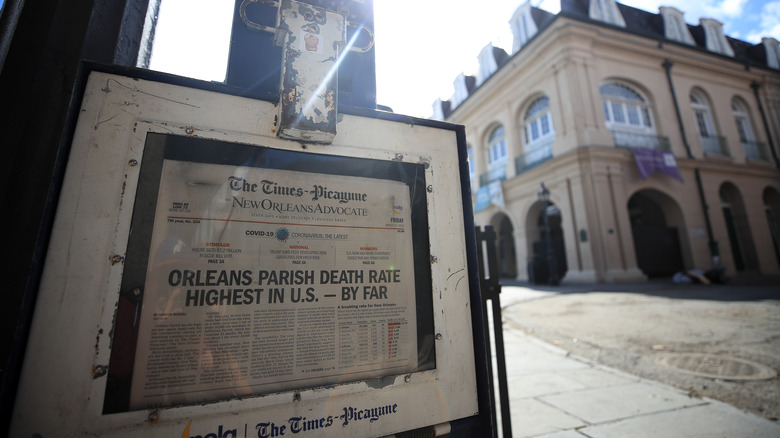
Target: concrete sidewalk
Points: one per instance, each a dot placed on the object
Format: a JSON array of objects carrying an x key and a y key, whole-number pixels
[{"x": 555, "y": 395}]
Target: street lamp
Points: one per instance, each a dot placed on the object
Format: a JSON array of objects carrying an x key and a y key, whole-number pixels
[{"x": 552, "y": 269}]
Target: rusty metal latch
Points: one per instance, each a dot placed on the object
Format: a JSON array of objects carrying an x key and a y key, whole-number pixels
[
  {"x": 279, "y": 34},
  {"x": 361, "y": 28},
  {"x": 313, "y": 41}
]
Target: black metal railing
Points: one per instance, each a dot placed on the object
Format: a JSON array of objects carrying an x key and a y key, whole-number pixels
[
  {"x": 497, "y": 174},
  {"x": 491, "y": 290},
  {"x": 632, "y": 140},
  {"x": 755, "y": 151},
  {"x": 714, "y": 145},
  {"x": 533, "y": 158}
]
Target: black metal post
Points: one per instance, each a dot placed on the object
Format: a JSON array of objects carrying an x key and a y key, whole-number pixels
[
  {"x": 551, "y": 262},
  {"x": 713, "y": 244},
  {"x": 491, "y": 290},
  {"x": 552, "y": 265}
]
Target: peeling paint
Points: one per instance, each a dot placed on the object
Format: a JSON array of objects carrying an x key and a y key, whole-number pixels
[
  {"x": 309, "y": 102},
  {"x": 97, "y": 341},
  {"x": 99, "y": 371}
]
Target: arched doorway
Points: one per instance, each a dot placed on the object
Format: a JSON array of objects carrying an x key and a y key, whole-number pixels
[
  {"x": 772, "y": 208},
  {"x": 655, "y": 223},
  {"x": 743, "y": 249},
  {"x": 548, "y": 250},
  {"x": 505, "y": 246}
]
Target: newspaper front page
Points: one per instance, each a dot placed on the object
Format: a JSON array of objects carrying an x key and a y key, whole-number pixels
[{"x": 264, "y": 280}]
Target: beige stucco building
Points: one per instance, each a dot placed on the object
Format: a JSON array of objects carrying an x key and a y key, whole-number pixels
[{"x": 586, "y": 94}]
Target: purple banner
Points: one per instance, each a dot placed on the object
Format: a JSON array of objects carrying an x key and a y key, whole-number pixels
[{"x": 649, "y": 161}]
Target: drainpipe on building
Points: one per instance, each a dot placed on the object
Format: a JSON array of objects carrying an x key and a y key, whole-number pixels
[
  {"x": 713, "y": 244},
  {"x": 668, "y": 67},
  {"x": 755, "y": 86}
]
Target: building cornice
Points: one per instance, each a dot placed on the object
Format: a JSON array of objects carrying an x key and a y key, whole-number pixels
[{"x": 679, "y": 52}]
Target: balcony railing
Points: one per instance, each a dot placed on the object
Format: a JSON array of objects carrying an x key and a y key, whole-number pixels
[
  {"x": 715, "y": 146},
  {"x": 755, "y": 151},
  {"x": 497, "y": 174},
  {"x": 633, "y": 140},
  {"x": 534, "y": 157}
]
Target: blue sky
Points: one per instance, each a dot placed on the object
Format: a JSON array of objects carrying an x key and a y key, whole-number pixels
[
  {"x": 421, "y": 45},
  {"x": 747, "y": 20},
  {"x": 744, "y": 19}
]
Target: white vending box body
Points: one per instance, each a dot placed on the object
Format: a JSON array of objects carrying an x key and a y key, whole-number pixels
[{"x": 207, "y": 277}]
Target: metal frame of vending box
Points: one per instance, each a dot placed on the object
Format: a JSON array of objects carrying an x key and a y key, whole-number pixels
[{"x": 62, "y": 389}]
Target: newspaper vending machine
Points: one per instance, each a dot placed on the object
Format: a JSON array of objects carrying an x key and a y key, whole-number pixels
[
  {"x": 207, "y": 277},
  {"x": 228, "y": 266}
]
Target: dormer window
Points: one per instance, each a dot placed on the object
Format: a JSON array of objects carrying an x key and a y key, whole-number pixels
[
  {"x": 674, "y": 25},
  {"x": 463, "y": 85},
  {"x": 716, "y": 41},
  {"x": 523, "y": 26},
  {"x": 440, "y": 108},
  {"x": 606, "y": 11},
  {"x": 772, "y": 52},
  {"x": 487, "y": 63}
]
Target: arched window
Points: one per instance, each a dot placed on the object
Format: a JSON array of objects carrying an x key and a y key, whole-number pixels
[
  {"x": 742, "y": 119},
  {"x": 537, "y": 122},
  {"x": 701, "y": 109},
  {"x": 629, "y": 118},
  {"x": 497, "y": 154},
  {"x": 538, "y": 133},
  {"x": 753, "y": 150},
  {"x": 624, "y": 108},
  {"x": 710, "y": 142},
  {"x": 497, "y": 157}
]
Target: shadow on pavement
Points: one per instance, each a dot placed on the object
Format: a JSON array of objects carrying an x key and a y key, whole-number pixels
[{"x": 738, "y": 288}]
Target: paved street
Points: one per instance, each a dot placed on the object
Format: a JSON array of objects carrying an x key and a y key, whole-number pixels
[{"x": 653, "y": 359}]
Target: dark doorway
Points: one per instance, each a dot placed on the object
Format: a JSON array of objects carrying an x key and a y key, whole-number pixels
[
  {"x": 772, "y": 208},
  {"x": 507, "y": 260},
  {"x": 549, "y": 250},
  {"x": 743, "y": 249},
  {"x": 657, "y": 244}
]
